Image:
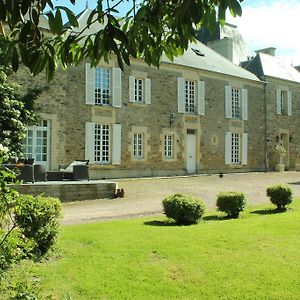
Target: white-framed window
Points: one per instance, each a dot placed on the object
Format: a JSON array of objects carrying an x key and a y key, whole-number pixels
[
  {"x": 139, "y": 90},
  {"x": 236, "y": 102},
  {"x": 284, "y": 102},
  {"x": 235, "y": 148},
  {"x": 102, "y": 86},
  {"x": 169, "y": 146},
  {"x": 190, "y": 96},
  {"x": 102, "y": 143},
  {"x": 37, "y": 143},
  {"x": 138, "y": 145}
]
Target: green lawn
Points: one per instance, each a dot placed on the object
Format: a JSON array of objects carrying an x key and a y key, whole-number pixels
[{"x": 255, "y": 257}]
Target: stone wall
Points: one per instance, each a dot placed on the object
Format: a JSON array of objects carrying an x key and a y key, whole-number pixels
[
  {"x": 283, "y": 125},
  {"x": 63, "y": 102}
]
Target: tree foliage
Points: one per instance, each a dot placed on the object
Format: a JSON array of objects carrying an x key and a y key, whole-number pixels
[
  {"x": 15, "y": 112},
  {"x": 149, "y": 29}
]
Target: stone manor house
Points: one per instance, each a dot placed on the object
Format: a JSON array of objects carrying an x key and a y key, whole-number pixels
[{"x": 201, "y": 113}]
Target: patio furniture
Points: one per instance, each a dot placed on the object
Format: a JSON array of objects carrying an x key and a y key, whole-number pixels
[
  {"x": 39, "y": 173},
  {"x": 77, "y": 170},
  {"x": 55, "y": 176},
  {"x": 24, "y": 172}
]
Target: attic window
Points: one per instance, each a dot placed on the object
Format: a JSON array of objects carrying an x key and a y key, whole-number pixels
[{"x": 198, "y": 52}]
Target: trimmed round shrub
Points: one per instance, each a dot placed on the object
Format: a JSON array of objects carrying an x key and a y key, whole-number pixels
[
  {"x": 232, "y": 203},
  {"x": 184, "y": 209},
  {"x": 280, "y": 195}
]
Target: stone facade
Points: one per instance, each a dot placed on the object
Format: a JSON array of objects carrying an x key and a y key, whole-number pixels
[
  {"x": 63, "y": 102},
  {"x": 283, "y": 128}
]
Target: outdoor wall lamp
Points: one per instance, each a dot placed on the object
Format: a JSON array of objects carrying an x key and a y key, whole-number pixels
[
  {"x": 172, "y": 119},
  {"x": 291, "y": 138}
]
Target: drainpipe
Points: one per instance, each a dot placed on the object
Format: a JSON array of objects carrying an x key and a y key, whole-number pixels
[{"x": 266, "y": 126}]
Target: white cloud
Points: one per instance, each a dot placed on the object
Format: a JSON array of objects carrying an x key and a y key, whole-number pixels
[{"x": 271, "y": 24}]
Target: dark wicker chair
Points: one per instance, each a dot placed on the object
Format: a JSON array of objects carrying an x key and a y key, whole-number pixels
[{"x": 77, "y": 170}]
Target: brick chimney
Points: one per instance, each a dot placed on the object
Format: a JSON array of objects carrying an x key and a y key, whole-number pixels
[{"x": 269, "y": 51}]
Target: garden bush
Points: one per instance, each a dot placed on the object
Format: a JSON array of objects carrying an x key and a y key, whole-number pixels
[
  {"x": 281, "y": 195},
  {"x": 232, "y": 203},
  {"x": 38, "y": 219},
  {"x": 184, "y": 209}
]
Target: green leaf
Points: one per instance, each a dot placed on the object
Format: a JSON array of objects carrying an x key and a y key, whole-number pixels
[
  {"x": 234, "y": 8},
  {"x": 70, "y": 15},
  {"x": 58, "y": 22},
  {"x": 35, "y": 17}
]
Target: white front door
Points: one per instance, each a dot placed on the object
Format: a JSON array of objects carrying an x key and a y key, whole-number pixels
[
  {"x": 191, "y": 153},
  {"x": 37, "y": 143}
]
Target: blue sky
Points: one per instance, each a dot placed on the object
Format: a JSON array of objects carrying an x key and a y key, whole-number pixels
[{"x": 264, "y": 23}]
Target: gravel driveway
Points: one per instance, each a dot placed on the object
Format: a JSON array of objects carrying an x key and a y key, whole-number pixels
[{"x": 143, "y": 196}]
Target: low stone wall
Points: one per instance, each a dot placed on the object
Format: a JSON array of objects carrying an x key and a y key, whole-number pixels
[{"x": 71, "y": 191}]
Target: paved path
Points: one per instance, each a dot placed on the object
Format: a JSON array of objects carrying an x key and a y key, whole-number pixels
[{"x": 144, "y": 196}]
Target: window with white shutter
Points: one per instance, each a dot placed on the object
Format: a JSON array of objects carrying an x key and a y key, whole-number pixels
[
  {"x": 245, "y": 104},
  {"x": 117, "y": 87},
  {"x": 89, "y": 85},
  {"x": 289, "y": 104},
  {"x": 180, "y": 94},
  {"x": 236, "y": 148},
  {"x": 116, "y": 144},
  {"x": 139, "y": 90},
  {"x": 90, "y": 141},
  {"x": 201, "y": 97},
  {"x": 283, "y": 102},
  {"x": 244, "y": 148},
  {"x": 228, "y": 102}
]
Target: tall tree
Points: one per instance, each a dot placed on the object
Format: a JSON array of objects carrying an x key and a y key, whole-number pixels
[{"x": 148, "y": 29}]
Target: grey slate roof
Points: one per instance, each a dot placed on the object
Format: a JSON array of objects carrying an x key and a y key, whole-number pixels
[
  {"x": 268, "y": 65},
  {"x": 211, "y": 61}
]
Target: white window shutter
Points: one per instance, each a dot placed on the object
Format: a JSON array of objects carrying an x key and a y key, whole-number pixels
[
  {"x": 245, "y": 148},
  {"x": 278, "y": 102},
  {"x": 148, "y": 91},
  {"x": 131, "y": 88},
  {"x": 289, "y": 94},
  {"x": 89, "y": 84},
  {"x": 116, "y": 88},
  {"x": 90, "y": 141},
  {"x": 228, "y": 148},
  {"x": 116, "y": 141},
  {"x": 245, "y": 104},
  {"x": 201, "y": 97},
  {"x": 228, "y": 101},
  {"x": 180, "y": 94}
]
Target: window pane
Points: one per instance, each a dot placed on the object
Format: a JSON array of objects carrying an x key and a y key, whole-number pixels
[
  {"x": 102, "y": 147},
  {"x": 190, "y": 96},
  {"x": 102, "y": 85}
]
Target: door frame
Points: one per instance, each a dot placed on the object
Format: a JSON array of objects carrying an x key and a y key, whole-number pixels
[
  {"x": 193, "y": 169},
  {"x": 35, "y": 129}
]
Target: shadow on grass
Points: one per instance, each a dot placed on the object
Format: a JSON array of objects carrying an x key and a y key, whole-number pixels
[
  {"x": 219, "y": 218},
  {"x": 269, "y": 211},
  {"x": 160, "y": 223}
]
